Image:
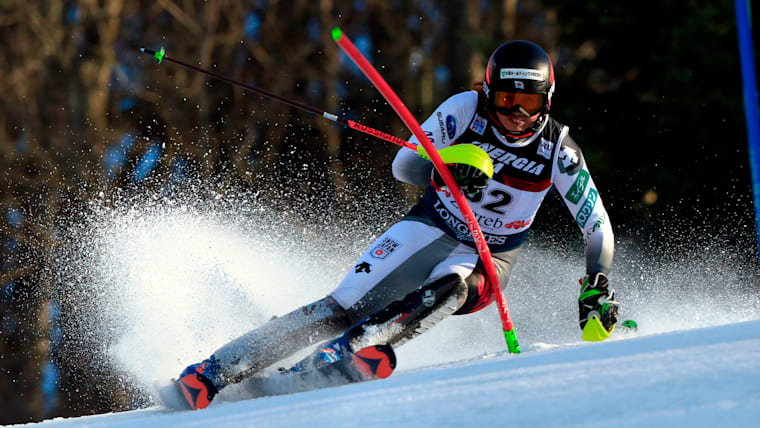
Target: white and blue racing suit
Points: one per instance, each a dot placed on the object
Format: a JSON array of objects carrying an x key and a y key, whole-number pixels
[{"x": 433, "y": 241}]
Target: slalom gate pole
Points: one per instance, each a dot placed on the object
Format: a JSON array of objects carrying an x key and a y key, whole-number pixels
[
  {"x": 472, "y": 223},
  {"x": 751, "y": 109},
  {"x": 160, "y": 56}
]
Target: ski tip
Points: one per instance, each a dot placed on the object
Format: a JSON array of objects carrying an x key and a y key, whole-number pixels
[
  {"x": 630, "y": 324},
  {"x": 337, "y": 33}
]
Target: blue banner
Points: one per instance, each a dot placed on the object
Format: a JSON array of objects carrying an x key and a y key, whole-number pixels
[{"x": 749, "y": 83}]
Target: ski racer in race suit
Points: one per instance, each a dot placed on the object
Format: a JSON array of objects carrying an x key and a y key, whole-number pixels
[{"x": 426, "y": 267}]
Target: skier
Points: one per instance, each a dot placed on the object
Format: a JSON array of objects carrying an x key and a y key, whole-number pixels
[{"x": 426, "y": 267}]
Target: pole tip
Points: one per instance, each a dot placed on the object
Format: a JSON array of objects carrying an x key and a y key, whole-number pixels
[
  {"x": 160, "y": 55},
  {"x": 336, "y": 33}
]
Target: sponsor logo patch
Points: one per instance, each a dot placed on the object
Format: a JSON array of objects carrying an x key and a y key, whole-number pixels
[
  {"x": 428, "y": 298},
  {"x": 578, "y": 188},
  {"x": 460, "y": 228},
  {"x": 517, "y": 224},
  {"x": 385, "y": 248},
  {"x": 451, "y": 127},
  {"x": 521, "y": 73},
  {"x": 502, "y": 157},
  {"x": 597, "y": 225},
  {"x": 568, "y": 160},
  {"x": 545, "y": 148},
  {"x": 441, "y": 125},
  {"x": 429, "y": 135},
  {"x": 363, "y": 267},
  {"x": 479, "y": 125},
  {"x": 588, "y": 207}
]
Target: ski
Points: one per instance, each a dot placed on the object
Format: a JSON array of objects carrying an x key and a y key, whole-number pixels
[{"x": 370, "y": 363}]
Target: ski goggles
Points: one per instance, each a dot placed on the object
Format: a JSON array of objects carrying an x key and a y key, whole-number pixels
[{"x": 509, "y": 102}]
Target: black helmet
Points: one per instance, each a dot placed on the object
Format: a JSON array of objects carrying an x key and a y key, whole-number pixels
[{"x": 520, "y": 67}]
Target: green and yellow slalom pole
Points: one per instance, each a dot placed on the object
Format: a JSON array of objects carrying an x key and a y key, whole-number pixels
[{"x": 440, "y": 164}]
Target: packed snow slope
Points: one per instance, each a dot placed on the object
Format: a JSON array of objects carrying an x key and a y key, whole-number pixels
[
  {"x": 150, "y": 286},
  {"x": 700, "y": 377}
]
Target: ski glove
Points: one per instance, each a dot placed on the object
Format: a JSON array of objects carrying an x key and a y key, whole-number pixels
[
  {"x": 470, "y": 179},
  {"x": 597, "y": 299}
]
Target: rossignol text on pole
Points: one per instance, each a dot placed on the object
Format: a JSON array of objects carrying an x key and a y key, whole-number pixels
[{"x": 472, "y": 223}]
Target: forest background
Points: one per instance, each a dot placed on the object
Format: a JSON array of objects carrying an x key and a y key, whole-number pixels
[{"x": 651, "y": 91}]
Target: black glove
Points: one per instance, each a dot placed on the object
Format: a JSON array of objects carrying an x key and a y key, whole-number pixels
[
  {"x": 597, "y": 299},
  {"x": 470, "y": 179}
]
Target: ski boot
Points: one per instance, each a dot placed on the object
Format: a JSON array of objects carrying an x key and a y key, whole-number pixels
[
  {"x": 200, "y": 382},
  {"x": 598, "y": 310}
]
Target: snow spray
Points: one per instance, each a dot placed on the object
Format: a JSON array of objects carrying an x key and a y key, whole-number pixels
[{"x": 155, "y": 283}]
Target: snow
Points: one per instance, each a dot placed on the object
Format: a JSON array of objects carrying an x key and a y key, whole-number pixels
[
  {"x": 699, "y": 377},
  {"x": 143, "y": 269}
]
